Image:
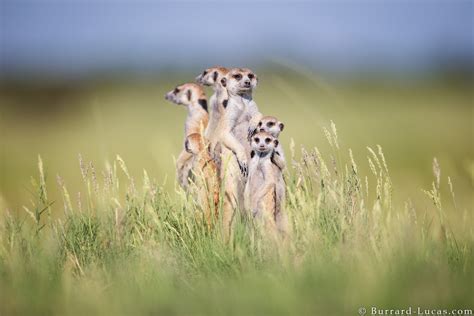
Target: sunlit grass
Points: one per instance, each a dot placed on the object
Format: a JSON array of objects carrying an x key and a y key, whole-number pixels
[{"x": 125, "y": 245}]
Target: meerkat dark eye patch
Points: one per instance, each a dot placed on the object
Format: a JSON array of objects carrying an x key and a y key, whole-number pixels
[
  {"x": 251, "y": 76},
  {"x": 203, "y": 103},
  {"x": 224, "y": 103},
  {"x": 256, "y": 139},
  {"x": 176, "y": 91},
  {"x": 189, "y": 94},
  {"x": 267, "y": 140},
  {"x": 252, "y": 154},
  {"x": 214, "y": 76},
  {"x": 276, "y": 145},
  {"x": 282, "y": 126},
  {"x": 270, "y": 124},
  {"x": 237, "y": 77},
  {"x": 224, "y": 82},
  {"x": 204, "y": 73},
  {"x": 259, "y": 124}
]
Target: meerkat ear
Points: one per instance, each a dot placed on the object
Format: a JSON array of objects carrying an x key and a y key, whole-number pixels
[
  {"x": 276, "y": 142},
  {"x": 189, "y": 94},
  {"x": 214, "y": 76},
  {"x": 281, "y": 126},
  {"x": 224, "y": 82}
]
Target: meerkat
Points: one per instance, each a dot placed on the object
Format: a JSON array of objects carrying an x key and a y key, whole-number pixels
[
  {"x": 265, "y": 188},
  {"x": 192, "y": 96},
  {"x": 274, "y": 127},
  {"x": 218, "y": 101},
  {"x": 240, "y": 115},
  {"x": 195, "y": 156}
]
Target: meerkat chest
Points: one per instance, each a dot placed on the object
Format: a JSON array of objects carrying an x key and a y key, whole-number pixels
[{"x": 259, "y": 167}]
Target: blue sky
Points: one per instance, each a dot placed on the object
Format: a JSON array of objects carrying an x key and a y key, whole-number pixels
[{"x": 86, "y": 36}]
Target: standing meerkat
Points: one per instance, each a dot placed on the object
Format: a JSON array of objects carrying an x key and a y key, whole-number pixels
[
  {"x": 241, "y": 114},
  {"x": 218, "y": 101},
  {"x": 239, "y": 117},
  {"x": 193, "y": 98},
  {"x": 195, "y": 156},
  {"x": 265, "y": 189},
  {"x": 274, "y": 127}
]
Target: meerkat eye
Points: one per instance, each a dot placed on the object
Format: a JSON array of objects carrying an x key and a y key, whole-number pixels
[
  {"x": 237, "y": 77},
  {"x": 256, "y": 139},
  {"x": 204, "y": 73},
  {"x": 259, "y": 124},
  {"x": 270, "y": 124},
  {"x": 251, "y": 76},
  {"x": 176, "y": 91},
  {"x": 267, "y": 140}
]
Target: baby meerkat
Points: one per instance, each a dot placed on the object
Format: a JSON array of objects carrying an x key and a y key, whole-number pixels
[
  {"x": 265, "y": 189},
  {"x": 218, "y": 101},
  {"x": 195, "y": 156},
  {"x": 274, "y": 127}
]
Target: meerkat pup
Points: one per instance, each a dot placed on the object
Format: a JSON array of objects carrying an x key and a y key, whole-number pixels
[
  {"x": 274, "y": 127},
  {"x": 195, "y": 156},
  {"x": 218, "y": 101},
  {"x": 265, "y": 189}
]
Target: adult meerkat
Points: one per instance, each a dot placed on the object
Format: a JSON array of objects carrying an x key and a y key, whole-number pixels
[
  {"x": 265, "y": 189},
  {"x": 274, "y": 127},
  {"x": 239, "y": 117},
  {"x": 194, "y": 99},
  {"x": 241, "y": 114},
  {"x": 218, "y": 101},
  {"x": 195, "y": 156}
]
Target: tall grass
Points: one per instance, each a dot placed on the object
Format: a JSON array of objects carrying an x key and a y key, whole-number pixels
[{"x": 126, "y": 246}]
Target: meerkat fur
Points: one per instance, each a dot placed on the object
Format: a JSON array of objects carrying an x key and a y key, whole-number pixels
[
  {"x": 195, "y": 156},
  {"x": 241, "y": 114}
]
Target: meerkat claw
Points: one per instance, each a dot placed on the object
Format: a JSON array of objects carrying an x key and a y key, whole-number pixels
[{"x": 243, "y": 168}]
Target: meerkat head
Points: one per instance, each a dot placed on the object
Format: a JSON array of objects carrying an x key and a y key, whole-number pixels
[
  {"x": 188, "y": 94},
  {"x": 263, "y": 142},
  {"x": 212, "y": 76},
  {"x": 271, "y": 125},
  {"x": 240, "y": 81}
]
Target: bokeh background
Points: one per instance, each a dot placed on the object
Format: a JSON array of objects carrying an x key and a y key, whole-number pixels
[{"x": 88, "y": 77}]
